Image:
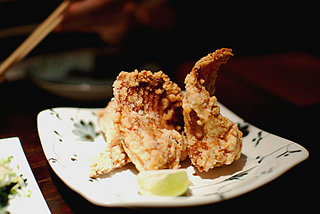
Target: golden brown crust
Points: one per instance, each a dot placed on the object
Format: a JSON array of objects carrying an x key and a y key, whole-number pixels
[
  {"x": 149, "y": 109},
  {"x": 205, "y": 71},
  {"x": 143, "y": 122},
  {"x": 213, "y": 140},
  {"x": 105, "y": 122}
]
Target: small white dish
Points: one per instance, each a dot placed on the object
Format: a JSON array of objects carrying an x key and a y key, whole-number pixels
[
  {"x": 33, "y": 202},
  {"x": 70, "y": 137}
]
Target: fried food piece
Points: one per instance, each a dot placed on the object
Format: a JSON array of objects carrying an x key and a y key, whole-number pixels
[
  {"x": 213, "y": 140},
  {"x": 113, "y": 156},
  {"x": 149, "y": 117},
  {"x": 105, "y": 122}
]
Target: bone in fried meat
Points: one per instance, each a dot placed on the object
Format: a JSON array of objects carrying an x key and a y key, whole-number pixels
[
  {"x": 113, "y": 156},
  {"x": 149, "y": 118},
  {"x": 213, "y": 140}
]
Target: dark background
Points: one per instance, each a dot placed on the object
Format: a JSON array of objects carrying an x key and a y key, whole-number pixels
[
  {"x": 254, "y": 31},
  {"x": 200, "y": 27}
]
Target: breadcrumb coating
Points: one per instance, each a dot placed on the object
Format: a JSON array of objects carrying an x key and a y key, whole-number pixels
[
  {"x": 148, "y": 115},
  {"x": 113, "y": 156},
  {"x": 151, "y": 123},
  {"x": 213, "y": 140}
]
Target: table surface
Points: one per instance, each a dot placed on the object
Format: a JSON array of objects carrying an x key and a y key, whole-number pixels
[{"x": 21, "y": 101}]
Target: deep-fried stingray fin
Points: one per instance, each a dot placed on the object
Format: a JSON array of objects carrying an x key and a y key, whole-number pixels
[
  {"x": 113, "y": 156},
  {"x": 213, "y": 140},
  {"x": 206, "y": 69},
  {"x": 149, "y": 109}
]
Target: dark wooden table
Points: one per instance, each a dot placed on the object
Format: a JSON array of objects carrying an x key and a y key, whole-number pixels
[{"x": 21, "y": 101}]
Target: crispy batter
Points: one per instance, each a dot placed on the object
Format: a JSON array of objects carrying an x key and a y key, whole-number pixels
[
  {"x": 105, "y": 122},
  {"x": 143, "y": 123},
  {"x": 113, "y": 156},
  {"x": 213, "y": 140},
  {"x": 149, "y": 117}
]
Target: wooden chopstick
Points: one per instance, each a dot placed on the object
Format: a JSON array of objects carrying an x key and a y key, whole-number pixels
[{"x": 35, "y": 37}]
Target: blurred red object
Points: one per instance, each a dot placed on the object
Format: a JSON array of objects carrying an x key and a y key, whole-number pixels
[{"x": 294, "y": 77}]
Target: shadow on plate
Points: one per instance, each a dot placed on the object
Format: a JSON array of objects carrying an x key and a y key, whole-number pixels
[{"x": 214, "y": 173}]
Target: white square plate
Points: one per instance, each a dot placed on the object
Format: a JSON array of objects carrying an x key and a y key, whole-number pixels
[
  {"x": 35, "y": 203},
  {"x": 70, "y": 137}
]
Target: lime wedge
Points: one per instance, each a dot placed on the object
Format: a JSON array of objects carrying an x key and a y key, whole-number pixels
[{"x": 166, "y": 182}]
